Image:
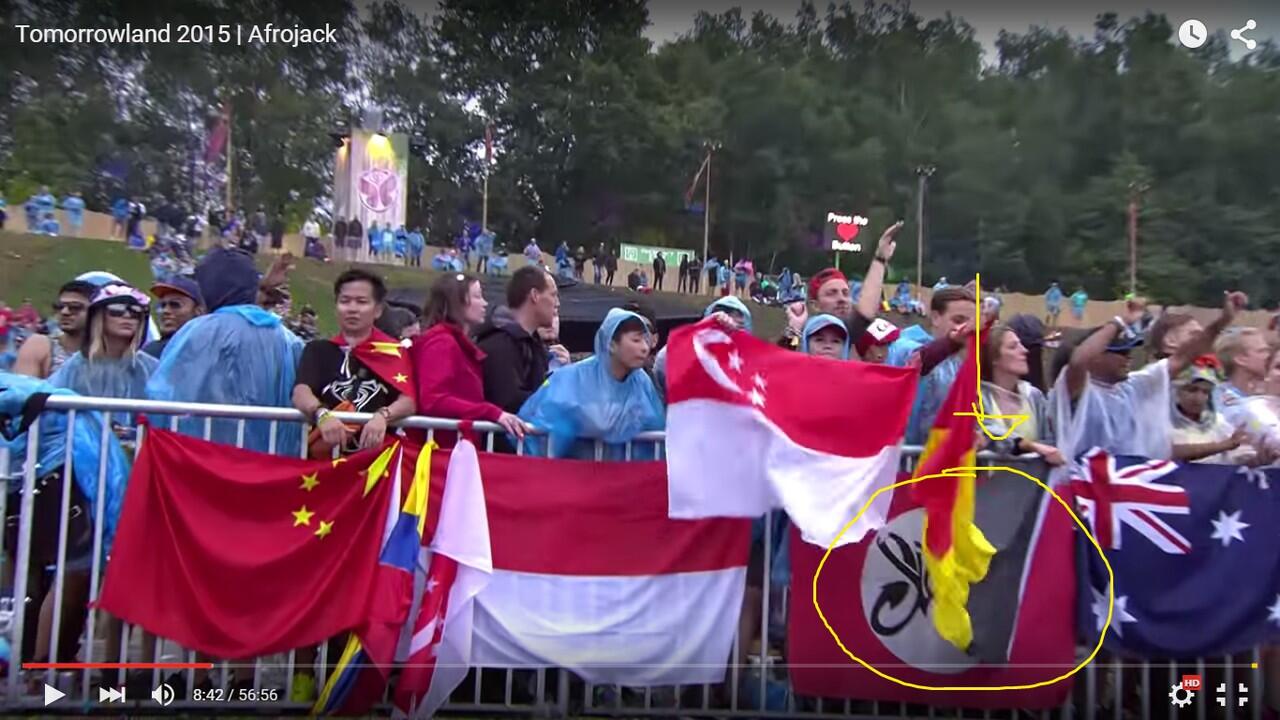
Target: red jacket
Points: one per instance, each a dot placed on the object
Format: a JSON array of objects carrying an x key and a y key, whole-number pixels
[{"x": 450, "y": 384}]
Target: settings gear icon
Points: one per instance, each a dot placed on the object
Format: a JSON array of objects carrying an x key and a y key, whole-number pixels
[{"x": 1180, "y": 696}]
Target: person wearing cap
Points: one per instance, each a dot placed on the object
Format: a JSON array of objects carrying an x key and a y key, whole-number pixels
[
  {"x": 1097, "y": 402},
  {"x": 829, "y": 294},
  {"x": 236, "y": 354},
  {"x": 110, "y": 363},
  {"x": 180, "y": 302},
  {"x": 873, "y": 346},
  {"x": 825, "y": 336},
  {"x": 1200, "y": 433},
  {"x": 730, "y": 312}
]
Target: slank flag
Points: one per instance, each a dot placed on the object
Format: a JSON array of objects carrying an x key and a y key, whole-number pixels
[
  {"x": 752, "y": 427},
  {"x": 877, "y": 598}
]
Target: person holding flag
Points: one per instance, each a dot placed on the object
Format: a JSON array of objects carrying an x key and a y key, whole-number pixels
[
  {"x": 956, "y": 554},
  {"x": 361, "y": 369}
]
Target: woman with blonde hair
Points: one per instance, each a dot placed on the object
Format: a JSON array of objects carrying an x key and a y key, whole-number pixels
[{"x": 110, "y": 362}]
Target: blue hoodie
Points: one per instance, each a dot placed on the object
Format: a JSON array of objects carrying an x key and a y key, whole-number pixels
[
  {"x": 725, "y": 303},
  {"x": 238, "y": 354},
  {"x": 584, "y": 402}
]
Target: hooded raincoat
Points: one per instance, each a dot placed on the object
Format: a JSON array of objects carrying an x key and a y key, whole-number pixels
[{"x": 584, "y": 402}]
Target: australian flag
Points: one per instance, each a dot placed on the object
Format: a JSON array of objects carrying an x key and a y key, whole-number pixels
[{"x": 1194, "y": 551}]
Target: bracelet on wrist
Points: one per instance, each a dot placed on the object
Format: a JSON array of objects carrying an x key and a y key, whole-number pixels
[
  {"x": 881, "y": 260},
  {"x": 321, "y": 414}
]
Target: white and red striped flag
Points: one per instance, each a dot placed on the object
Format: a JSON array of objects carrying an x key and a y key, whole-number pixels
[
  {"x": 460, "y": 567},
  {"x": 752, "y": 427}
]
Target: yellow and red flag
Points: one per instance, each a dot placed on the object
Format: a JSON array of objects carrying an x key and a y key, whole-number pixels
[{"x": 956, "y": 553}]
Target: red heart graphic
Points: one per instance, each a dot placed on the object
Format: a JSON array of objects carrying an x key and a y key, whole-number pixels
[{"x": 847, "y": 231}]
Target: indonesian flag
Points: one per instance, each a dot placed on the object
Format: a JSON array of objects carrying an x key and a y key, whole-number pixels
[
  {"x": 956, "y": 553},
  {"x": 752, "y": 427},
  {"x": 460, "y": 567}
]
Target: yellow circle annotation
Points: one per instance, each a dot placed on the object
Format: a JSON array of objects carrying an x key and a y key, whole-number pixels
[{"x": 951, "y": 473}]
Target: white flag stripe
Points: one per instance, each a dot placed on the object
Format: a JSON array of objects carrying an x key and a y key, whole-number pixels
[
  {"x": 631, "y": 630},
  {"x": 820, "y": 492}
]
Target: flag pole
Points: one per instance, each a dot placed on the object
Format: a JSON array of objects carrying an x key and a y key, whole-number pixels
[
  {"x": 230, "y": 154},
  {"x": 484, "y": 213},
  {"x": 706, "y": 210}
]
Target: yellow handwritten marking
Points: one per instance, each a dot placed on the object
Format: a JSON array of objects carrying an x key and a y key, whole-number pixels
[
  {"x": 951, "y": 473},
  {"x": 977, "y": 413}
]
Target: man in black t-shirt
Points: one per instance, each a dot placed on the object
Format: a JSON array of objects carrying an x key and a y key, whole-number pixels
[{"x": 359, "y": 370}]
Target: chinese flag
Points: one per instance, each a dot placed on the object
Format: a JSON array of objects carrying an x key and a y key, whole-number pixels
[
  {"x": 956, "y": 554},
  {"x": 237, "y": 554}
]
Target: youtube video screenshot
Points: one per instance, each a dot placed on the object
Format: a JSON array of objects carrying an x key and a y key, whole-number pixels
[{"x": 341, "y": 373}]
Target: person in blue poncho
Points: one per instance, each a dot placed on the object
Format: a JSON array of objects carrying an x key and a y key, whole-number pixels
[
  {"x": 736, "y": 315},
  {"x": 388, "y": 243},
  {"x": 119, "y": 216},
  {"x": 607, "y": 397},
  {"x": 951, "y": 313},
  {"x": 21, "y": 402},
  {"x": 49, "y": 225},
  {"x": 1052, "y": 305},
  {"x": 484, "y": 248},
  {"x": 786, "y": 283},
  {"x": 46, "y": 203},
  {"x": 375, "y": 239},
  {"x": 237, "y": 354},
  {"x": 402, "y": 243},
  {"x": 417, "y": 243},
  {"x": 4, "y": 215},
  {"x": 74, "y": 205},
  {"x": 110, "y": 363}
]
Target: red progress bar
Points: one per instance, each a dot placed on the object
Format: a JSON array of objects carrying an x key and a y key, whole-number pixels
[{"x": 117, "y": 666}]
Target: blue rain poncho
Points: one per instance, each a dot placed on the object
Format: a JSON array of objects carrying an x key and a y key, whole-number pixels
[
  {"x": 402, "y": 243},
  {"x": 417, "y": 241},
  {"x": 584, "y": 402},
  {"x": 86, "y": 447},
  {"x": 124, "y": 378},
  {"x": 75, "y": 210},
  {"x": 816, "y": 323},
  {"x": 239, "y": 354}
]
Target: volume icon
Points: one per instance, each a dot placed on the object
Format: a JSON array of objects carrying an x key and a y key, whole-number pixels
[{"x": 163, "y": 695}]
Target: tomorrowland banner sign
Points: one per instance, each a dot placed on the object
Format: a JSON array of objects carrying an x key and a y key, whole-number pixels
[{"x": 371, "y": 178}]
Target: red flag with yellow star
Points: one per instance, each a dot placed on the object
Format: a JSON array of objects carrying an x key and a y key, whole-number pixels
[
  {"x": 956, "y": 554},
  {"x": 238, "y": 554},
  {"x": 385, "y": 357}
]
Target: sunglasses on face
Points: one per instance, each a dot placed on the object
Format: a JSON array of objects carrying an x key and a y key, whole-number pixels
[
  {"x": 123, "y": 311},
  {"x": 72, "y": 307}
]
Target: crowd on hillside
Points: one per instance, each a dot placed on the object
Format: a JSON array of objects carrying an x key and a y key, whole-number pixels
[{"x": 1206, "y": 394}]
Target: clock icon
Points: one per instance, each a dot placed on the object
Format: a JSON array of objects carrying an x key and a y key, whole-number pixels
[{"x": 1192, "y": 34}]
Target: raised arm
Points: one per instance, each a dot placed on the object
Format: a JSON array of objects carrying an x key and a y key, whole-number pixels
[
  {"x": 1096, "y": 344},
  {"x": 873, "y": 283},
  {"x": 1202, "y": 342}
]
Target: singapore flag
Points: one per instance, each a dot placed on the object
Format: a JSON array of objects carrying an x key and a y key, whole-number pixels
[{"x": 752, "y": 427}]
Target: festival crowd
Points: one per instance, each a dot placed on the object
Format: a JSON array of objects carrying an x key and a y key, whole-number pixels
[{"x": 219, "y": 342}]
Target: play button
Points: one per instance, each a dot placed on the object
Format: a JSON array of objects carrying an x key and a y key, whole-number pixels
[{"x": 52, "y": 695}]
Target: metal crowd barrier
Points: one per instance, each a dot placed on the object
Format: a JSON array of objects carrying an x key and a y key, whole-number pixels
[{"x": 756, "y": 688}]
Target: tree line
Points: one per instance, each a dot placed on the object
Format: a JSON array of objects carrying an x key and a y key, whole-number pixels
[{"x": 1035, "y": 153}]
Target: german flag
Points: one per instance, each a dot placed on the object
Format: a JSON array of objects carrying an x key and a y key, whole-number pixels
[{"x": 956, "y": 553}]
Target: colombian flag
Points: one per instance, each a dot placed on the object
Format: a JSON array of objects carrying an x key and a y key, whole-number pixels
[
  {"x": 360, "y": 679},
  {"x": 956, "y": 554}
]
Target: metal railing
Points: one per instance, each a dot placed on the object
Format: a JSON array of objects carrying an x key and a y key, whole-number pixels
[{"x": 757, "y": 687}]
